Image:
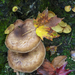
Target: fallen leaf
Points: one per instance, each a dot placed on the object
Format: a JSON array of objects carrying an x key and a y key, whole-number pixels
[
  {"x": 46, "y": 68},
  {"x": 9, "y": 29},
  {"x": 52, "y": 22},
  {"x": 52, "y": 49},
  {"x": 43, "y": 24},
  {"x": 59, "y": 61},
  {"x": 42, "y": 32},
  {"x": 45, "y": 19},
  {"x": 62, "y": 70},
  {"x": 45, "y": 32}
]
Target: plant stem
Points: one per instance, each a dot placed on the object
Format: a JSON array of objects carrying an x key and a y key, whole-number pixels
[
  {"x": 21, "y": 73},
  {"x": 17, "y": 73}
]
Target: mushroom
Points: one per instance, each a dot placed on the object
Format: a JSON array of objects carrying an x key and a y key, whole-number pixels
[
  {"x": 67, "y": 29},
  {"x": 27, "y": 62},
  {"x": 67, "y": 8},
  {"x": 57, "y": 28},
  {"x": 73, "y": 9},
  {"x": 23, "y": 38},
  {"x": 63, "y": 24}
]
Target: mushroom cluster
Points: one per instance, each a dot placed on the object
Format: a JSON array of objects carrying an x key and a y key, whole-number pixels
[{"x": 26, "y": 51}]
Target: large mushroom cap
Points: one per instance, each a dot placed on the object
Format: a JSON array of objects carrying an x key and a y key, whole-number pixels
[
  {"x": 27, "y": 62},
  {"x": 23, "y": 38}
]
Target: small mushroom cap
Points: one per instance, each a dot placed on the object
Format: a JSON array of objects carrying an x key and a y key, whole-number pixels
[
  {"x": 27, "y": 62},
  {"x": 63, "y": 24},
  {"x": 9, "y": 29},
  {"x": 67, "y": 8},
  {"x": 17, "y": 42},
  {"x": 73, "y": 9},
  {"x": 57, "y": 28},
  {"x": 51, "y": 14},
  {"x": 67, "y": 29}
]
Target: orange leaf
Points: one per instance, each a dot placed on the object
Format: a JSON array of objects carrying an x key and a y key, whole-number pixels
[{"x": 46, "y": 68}]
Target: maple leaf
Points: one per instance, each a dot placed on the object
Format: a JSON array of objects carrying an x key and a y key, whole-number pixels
[
  {"x": 62, "y": 70},
  {"x": 44, "y": 18},
  {"x": 43, "y": 24},
  {"x": 44, "y": 31},
  {"x": 46, "y": 68}
]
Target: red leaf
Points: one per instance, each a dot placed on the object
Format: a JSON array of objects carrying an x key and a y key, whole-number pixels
[
  {"x": 46, "y": 68},
  {"x": 62, "y": 70}
]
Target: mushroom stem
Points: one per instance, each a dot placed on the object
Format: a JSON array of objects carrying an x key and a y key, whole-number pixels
[
  {"x": 21, "y": 73},
  {"x": 17, "y": 73},
  {"x": 28, "y": 31}
]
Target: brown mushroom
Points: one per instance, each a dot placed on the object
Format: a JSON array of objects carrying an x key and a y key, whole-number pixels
[
  {"x": 23, "y": 38},
  {"x": 27, "y": 62}
]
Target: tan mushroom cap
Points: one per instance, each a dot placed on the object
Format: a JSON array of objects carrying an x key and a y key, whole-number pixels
[
  {"x": 17, "y": 42},
  {"x": 27, "y": 62}
]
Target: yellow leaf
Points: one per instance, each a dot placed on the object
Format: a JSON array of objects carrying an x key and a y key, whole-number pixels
[
  {"x": 9, "y": 29},
  {"x": 42, "y": 32}
]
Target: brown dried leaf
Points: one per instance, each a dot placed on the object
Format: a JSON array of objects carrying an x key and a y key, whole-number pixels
[
  {"x": 59, "y": 61},
  {"x": 52, "y": 49},
  {"x": 53, "y": 21}
]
